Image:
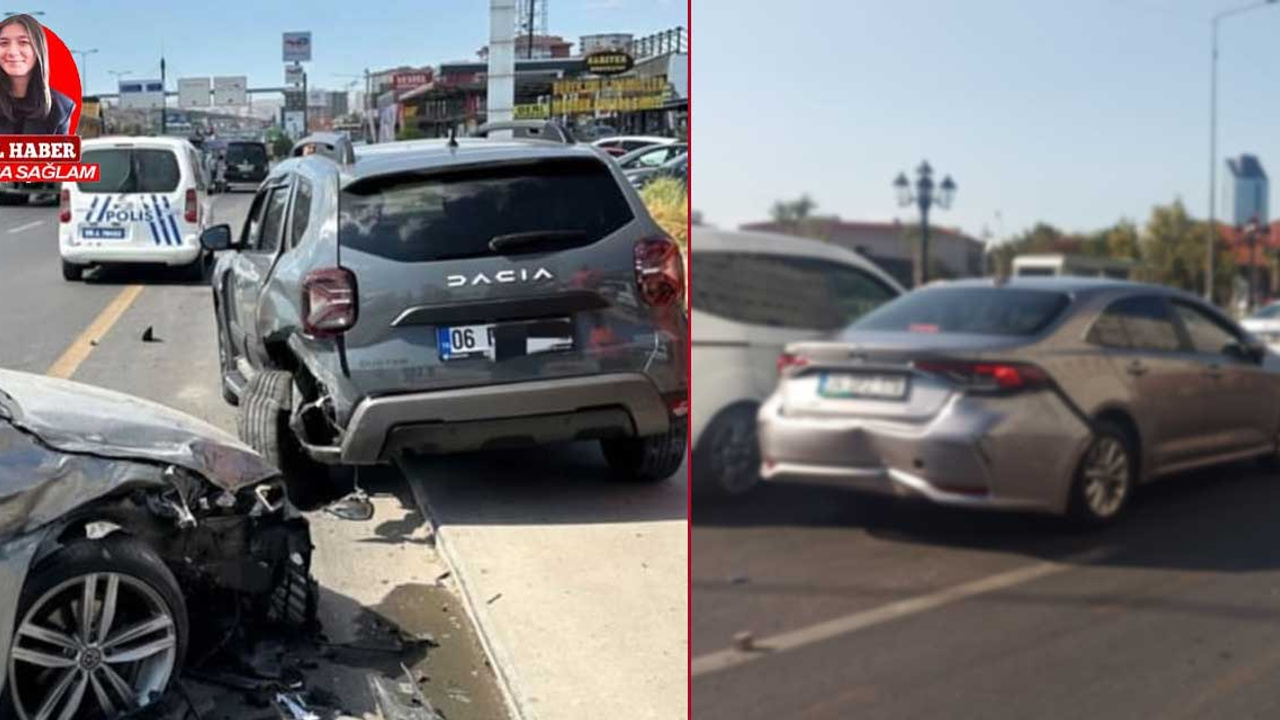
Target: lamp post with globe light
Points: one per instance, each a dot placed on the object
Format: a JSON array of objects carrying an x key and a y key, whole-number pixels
[{"x": 924, "y": 195}]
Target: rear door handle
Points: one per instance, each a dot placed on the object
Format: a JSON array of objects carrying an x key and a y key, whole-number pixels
[{"x": 1136, "y": 368}]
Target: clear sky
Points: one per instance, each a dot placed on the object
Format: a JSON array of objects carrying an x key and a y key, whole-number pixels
[
  {"x": 242, "y": 37},
  {"x": 1072, "y": 112}
]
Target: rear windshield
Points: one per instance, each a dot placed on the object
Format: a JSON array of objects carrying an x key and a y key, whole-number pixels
[
  {"x": 977, "y": 311},
  {"x": 246, "y": 152},
  {"x": 441, "y": 216},
  {"x": 133, "y": 170}
]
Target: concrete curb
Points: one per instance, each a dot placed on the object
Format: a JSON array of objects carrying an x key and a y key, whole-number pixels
[{"x": 499, "y": 659}]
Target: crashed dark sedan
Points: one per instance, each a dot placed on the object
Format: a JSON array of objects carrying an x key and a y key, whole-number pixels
[{"x": 121, "y": 522}]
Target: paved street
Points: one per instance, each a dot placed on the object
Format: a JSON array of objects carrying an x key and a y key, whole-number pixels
[
  {"x": 870, "y": 609},
  {"x": 578, "y": 582}
]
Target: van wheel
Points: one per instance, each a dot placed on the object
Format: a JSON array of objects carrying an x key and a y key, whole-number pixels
[
  {"x": 648, "y": 459},
  {"x": 72, "y": 272}
]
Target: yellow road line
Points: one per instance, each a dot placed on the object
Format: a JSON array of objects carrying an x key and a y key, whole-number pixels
[{"x": 79, "y": 349}]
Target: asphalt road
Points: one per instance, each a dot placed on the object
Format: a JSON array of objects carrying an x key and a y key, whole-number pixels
[{"x": 865, "y": 608}]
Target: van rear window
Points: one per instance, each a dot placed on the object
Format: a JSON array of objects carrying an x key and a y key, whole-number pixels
[
  {"x": 429, "y": 216},
  {"x": 246, "y": 153},
  {"x": 132, "y": 170}
]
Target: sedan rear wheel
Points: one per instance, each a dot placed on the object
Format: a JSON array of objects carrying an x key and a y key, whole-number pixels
[{"x": 1104, "y": 481}]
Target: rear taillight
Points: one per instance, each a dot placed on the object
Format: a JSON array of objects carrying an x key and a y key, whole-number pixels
[
  {"x": 64, "y": 206},
  {"x": 659, "y": 272},
  {"x": 192, "y": 214},
  {"x": 677, "y": 404},
  {"x": 786, "y": 361},
  {"x": 329, "y": 304},
  {"x": 989, "y": 376}
]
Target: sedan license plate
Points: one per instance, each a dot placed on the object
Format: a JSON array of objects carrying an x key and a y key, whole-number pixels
[
  {"x": 102, "y": 233},
  {"x": 878, "y": 387}
]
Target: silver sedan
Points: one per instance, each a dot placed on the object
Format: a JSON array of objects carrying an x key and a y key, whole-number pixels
[{"x": 1058, "y": 395}]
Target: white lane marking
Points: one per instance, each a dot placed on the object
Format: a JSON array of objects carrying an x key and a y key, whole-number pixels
[
  {"x": 795, "y": 639},
  {"x": 28, "y": 226}
]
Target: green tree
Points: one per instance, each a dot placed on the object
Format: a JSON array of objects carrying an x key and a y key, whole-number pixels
[
  {"x": 793, "y": 211},
  {"x": 1122, "y": 240}
]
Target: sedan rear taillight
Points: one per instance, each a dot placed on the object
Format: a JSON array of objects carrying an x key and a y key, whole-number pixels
[
  {"x": 786, "y": 361},
  {"x": 659, "y": 272},
  {"x": 192, "y": 214},
  {"x": 64, "y": 206},
  {"x": 989, "y": 375},
  {"x": 329, "y": 305}
]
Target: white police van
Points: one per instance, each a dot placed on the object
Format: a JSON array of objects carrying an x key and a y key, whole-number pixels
[{"x": 149, "y": 206}]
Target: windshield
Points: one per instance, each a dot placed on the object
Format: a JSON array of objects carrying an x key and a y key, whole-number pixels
[
  {"x": 133, "y": 170},
  {"x": 976, "y": 311}
]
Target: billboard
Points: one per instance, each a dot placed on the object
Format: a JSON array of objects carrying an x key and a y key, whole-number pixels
[
  {"x": 293, "y": 75},
  {"x": 403, "y": 81},
  {"x": 141, "y": 94},
  {"x": 297, "y": 47},
  {"x": 193, "y": 92},
  {"x": 230, "y": 91},
  {"x": 317, "y": 98},
  {"x": 293, "y": 124}
]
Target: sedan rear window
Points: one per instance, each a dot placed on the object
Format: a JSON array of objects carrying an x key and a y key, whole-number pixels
[
  {"x": 421, "y": 217},
  {"x": 133, "y": 170},
  {"x": 976, "y": 311}
]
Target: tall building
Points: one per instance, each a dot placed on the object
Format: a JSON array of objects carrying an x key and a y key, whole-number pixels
[{"x": 1246, "y": 192}]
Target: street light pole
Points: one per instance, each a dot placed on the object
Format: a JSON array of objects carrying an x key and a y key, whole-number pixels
[
  {"x": 1213, "y": 140},
  {"x": 924, "y": 198}
]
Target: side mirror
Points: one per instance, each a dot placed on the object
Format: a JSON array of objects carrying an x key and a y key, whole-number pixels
[{"x": 217, "y": 238}]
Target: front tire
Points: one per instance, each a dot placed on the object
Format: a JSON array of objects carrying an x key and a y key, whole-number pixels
[
  {"x": 133, "y": 643},
  {"x": 263, "y": 422},
  {"x": 648, "y": 459},
  {"x": 1105, "y": 479}
]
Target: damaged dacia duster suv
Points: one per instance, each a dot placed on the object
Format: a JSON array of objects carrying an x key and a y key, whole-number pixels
[
  {"x": 121, "y": 519},
  {"x": 452, "y": 295}
]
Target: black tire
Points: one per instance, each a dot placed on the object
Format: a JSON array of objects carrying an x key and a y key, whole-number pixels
[
  {"x": 295, "y": 599},
  {"x": 1080, "y": 511},
  {"x": 731, "y": 432},
  {"x": 263, "y": 422},
  {"x": 72, "y": 272},
  {"x": 648, "y": 459},
  {"x": 197, "y": 271},
  {"x": 116, "y": 553}
]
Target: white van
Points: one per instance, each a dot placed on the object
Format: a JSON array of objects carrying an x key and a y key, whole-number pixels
[
  {"x": 149, "y": 206},
  {"x": 752, "y": 294}
]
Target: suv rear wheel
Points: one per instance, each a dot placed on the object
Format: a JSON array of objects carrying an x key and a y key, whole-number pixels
[{"x": 648, "y": 459}]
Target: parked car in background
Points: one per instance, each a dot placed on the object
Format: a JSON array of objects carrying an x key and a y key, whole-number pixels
[
  {"x": 677, "y": 168},
  {"x": 1265, "y": 325},
  {"x": 436, "y": 297},
  {"x": 1057, "y": 395},
  {"x": 653, "y": 156},
  {"x": 149, "y": 206},
  {"x": 630, "y": 143},
  {"x": 753, "y": 294}
]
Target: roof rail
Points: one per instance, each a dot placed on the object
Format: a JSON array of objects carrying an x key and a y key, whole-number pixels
[
  {"x": 529, "y": 130},
  {"x": 336, "y": 146}
]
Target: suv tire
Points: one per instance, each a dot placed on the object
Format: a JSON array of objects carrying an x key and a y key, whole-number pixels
[
  {"x": 648, "y": 459},
  {"x": 263, "y": 423},
  {"x": 72, "y": 272}
]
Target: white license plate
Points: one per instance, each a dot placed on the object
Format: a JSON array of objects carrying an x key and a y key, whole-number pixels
[
  {"x": 102, "y": 233},
  {"x": 880, "y": 387},
  {"x": 245, "y": 167},
  {"x": 465, "y": 341}
]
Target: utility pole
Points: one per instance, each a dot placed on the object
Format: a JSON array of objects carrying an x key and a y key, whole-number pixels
[
  {"x": 164, "y": 101},
  {"x": 532, "y": 5},
  {"x": 306, "y": 102}
]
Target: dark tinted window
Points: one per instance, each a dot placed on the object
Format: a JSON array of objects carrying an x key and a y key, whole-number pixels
[
  {"x": 273, "y": 220},
  {"x": 1207, "y": 333},
  {"x": 979, "y": 311},
  {"x": 301, "y": 212},
  {"x": 782, "y": 291},
  {"x": 440, "y": 216},
  {"x": 1143, "y": 323},
  {"x": 133, "y": 170},
  {"x": 246, "y": 153}
]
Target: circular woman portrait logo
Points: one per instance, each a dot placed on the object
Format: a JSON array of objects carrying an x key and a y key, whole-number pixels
[{"x": 39, "y": 82}]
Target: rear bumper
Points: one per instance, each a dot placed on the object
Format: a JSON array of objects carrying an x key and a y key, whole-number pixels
[
  {"x": 1016, "y": 453},
  {"x": 160, "y": 254},
  {"x": 545, "y": 411}
]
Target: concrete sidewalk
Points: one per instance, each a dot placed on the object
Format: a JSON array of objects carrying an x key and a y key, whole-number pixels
[{"x": 577, "y": 583}]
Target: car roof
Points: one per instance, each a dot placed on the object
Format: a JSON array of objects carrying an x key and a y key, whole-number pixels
[
  {"x": 655, "y": 139},
  {"x": 410, "y": 155},
  {"x": 704, "y": 239},
  {"x": 1066, "y": 283}
]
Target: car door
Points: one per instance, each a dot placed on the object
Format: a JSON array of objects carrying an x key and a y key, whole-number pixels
[
  {"x": 1165, "y": 381},
  {"x": 260, "y": 241},
  {"x": 1240, "y": 414}
]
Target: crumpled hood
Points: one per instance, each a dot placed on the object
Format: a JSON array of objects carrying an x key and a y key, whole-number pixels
[{"x": 77, "y": 418}]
